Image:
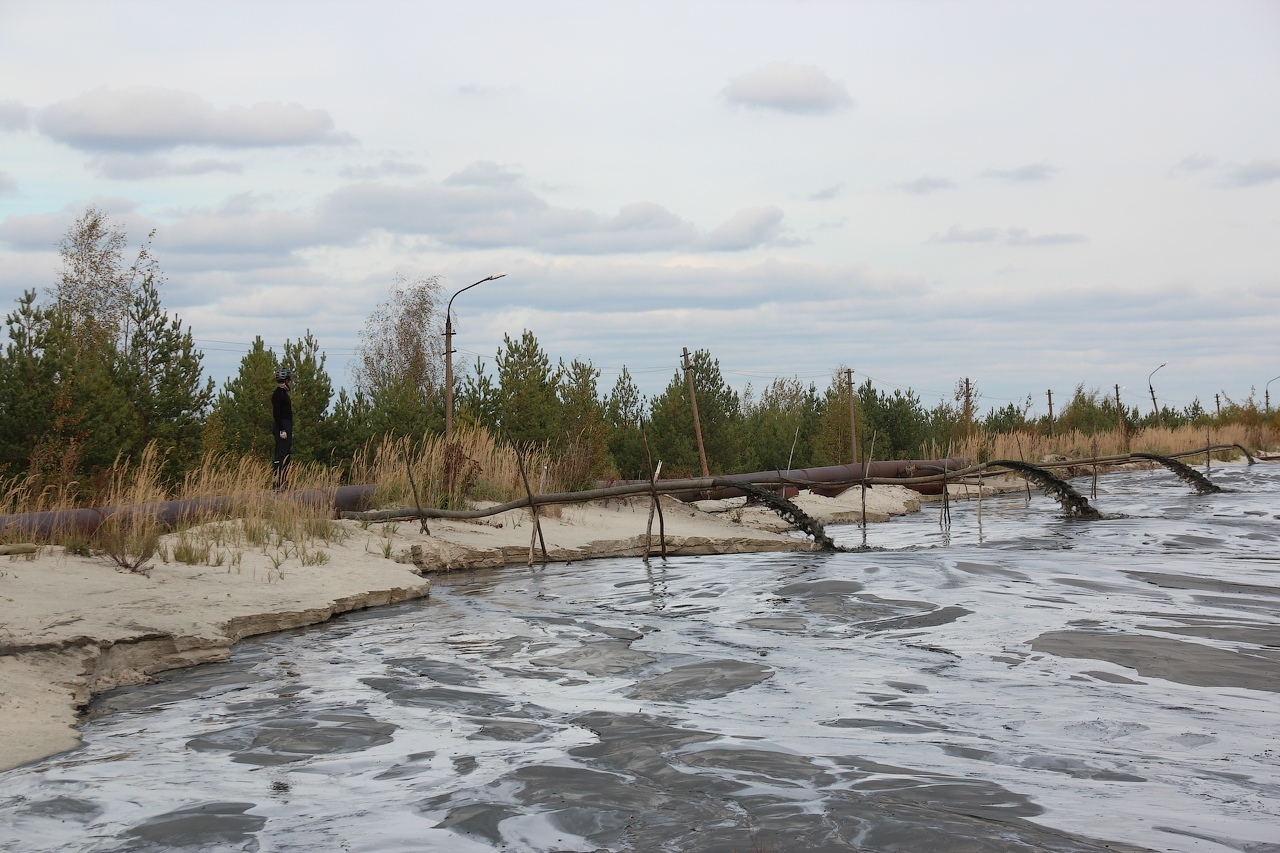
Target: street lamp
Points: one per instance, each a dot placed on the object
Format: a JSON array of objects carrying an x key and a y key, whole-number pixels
[
  {"x": 1268, "y": 393},
  {"x": 448, "y": 356},
  {"x": 1152, "y": 389}
]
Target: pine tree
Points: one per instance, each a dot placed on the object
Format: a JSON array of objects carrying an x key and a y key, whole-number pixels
[
  {"x": 61, "y": 412},
  {"x": 240, "y": 423},
  {"x": 671, "y": 433},
  {"x": 478, "y": 400},
  {"x": 162, "y": 375},
  {"x": 780, "y": 427},
  {"x": 624, "y": 407},
  {"x": 398, "y": 408},
  {"x": 312, "y": 391},
  {"x": 348, "y": 426},
  {"x": 581, "y": 423},
  {"x": 527, "y": 391}
]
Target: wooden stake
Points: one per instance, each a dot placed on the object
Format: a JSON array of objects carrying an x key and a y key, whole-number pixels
[
  {"x": 653, "y": 506},
  {"x": 1093, "y": 491},
  {"x": 653, "y": 491},
  {"x": 536, "y": 532},
  {"x": 979, "y": 504},
  {"x": 422, "y": 519},
  {"x": 533, "y": 507},
  {"x": 853, "y": 432},
  {"x": 1023, "y": 458},
  {"x": 865, "y": 466},
  {"x": 697, "y": 424}
]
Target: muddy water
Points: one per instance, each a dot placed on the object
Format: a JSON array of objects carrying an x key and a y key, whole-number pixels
[{"x": 1033, "y": 684}]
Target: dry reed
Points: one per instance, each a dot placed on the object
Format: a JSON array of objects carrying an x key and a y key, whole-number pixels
[
  {"x": 473, "y": 466},
  {"x": 1034, "y": 447},
  {"x": 130, "y": 536}
]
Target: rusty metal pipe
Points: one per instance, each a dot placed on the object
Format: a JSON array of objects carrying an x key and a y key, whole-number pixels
[
  {"x": 43, "y": 525},
  {"x": 840, "y": 476}
]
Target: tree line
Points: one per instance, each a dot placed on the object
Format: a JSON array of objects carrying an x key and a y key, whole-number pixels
[{"x": 98, "y": 369}]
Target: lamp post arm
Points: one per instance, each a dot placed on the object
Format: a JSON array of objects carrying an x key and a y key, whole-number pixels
[
  {"x": 449, "y": 308},
  {"x": 1152, "y": 389}
]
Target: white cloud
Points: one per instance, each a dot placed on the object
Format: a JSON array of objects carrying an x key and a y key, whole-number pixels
[
  {"x": 482, "y": 173},
  {"x": 1253, "y": 174},
  {"x": 487, "y": 206},
  {"x": 14, "y": 116},
  {"x": 745, "y": 229},
  {"x": 146, "y": 118},
  {"x": 1023, "y": 237},
  {"x": 247, "y": 232},
  {"x": 8, "y": 186},
  {"x": 828, "y": 193},
  {"x": 131, "y": 167},
  {"x": 1193, "y": 163},
  {"x": 38, "y": 232},
  {"x": 788, "y": 87},
  {"x": 927, "y": 184},
  {"x": 1005, "y": 237},
  {"x": 385, "y": 169},
  {"x": 482, "y": 207},
  {"x": 956, "y": 234},
  {"x": 1030, "y": 173}
]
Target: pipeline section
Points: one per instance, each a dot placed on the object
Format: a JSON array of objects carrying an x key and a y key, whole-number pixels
[
  {"x": 926, "y": 476},
  {"x": 42, "y": 525}
]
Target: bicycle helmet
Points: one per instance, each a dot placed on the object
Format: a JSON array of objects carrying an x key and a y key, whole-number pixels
[{"x": 284, "y": 374}]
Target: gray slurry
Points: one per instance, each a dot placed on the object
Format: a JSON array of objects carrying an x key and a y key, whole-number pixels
[{"x": 1038, "y": 684}]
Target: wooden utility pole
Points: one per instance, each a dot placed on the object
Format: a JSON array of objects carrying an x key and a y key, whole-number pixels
[
  {"x": 448, "y": 355},
  {"x": 448, "y": 378},
  {"x": 853, "y": 430},
  {"x": 1050, "y": 393},
  {"x": 968, "y": 409},
  {"x": 1119, "y": 410},
  {"x": 697, "y": 424},
  {"x": 1217, "y": 404}
]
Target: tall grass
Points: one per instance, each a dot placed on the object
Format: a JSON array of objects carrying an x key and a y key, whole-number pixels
[
  {"x": 255, "y": 518},
  {"x": 250, "y": 517},
  {"x": 1031, "y": 446},
  {"x": 474, "y": 465},
  {"x": 131, "y": 535}
]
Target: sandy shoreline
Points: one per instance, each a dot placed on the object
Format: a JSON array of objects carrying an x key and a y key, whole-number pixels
[{"x": 73, "y": 626}]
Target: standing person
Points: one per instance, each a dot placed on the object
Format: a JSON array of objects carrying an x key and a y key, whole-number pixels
[{"x": 282, "y": 425}]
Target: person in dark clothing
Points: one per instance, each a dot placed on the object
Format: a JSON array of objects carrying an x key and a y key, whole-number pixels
[{"x": 282, "y": 425}]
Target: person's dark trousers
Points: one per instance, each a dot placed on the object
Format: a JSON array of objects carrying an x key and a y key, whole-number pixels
[{"x": 280, "y": 462}]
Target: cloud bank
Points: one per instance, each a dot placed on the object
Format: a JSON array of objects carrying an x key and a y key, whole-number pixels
[
  {"x": 1005, "y": 237},
  {"x": 483, "y": 206},
  {"x": 926, "y": 185},
  {"x": 1253, "y": 174},
  {"x": 790, "y": 88},
  {"x": 14, "y": 116},
  {"x": 129, "y": 167},
  {"x": 1028, "y": 174},
  {"x": 147, "y": 118}
]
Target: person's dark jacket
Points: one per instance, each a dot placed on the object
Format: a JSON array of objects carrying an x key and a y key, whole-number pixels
[{"x": 282, "y": 410}]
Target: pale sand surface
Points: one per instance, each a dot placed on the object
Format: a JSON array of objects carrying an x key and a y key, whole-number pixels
[{"x": 73, "y": 626}]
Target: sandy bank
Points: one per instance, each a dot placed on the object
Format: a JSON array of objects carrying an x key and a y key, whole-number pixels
[{"x": 74, "y": 626}]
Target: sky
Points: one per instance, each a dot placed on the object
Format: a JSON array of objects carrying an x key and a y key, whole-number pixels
[{"x": 1034, "y": 196}]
